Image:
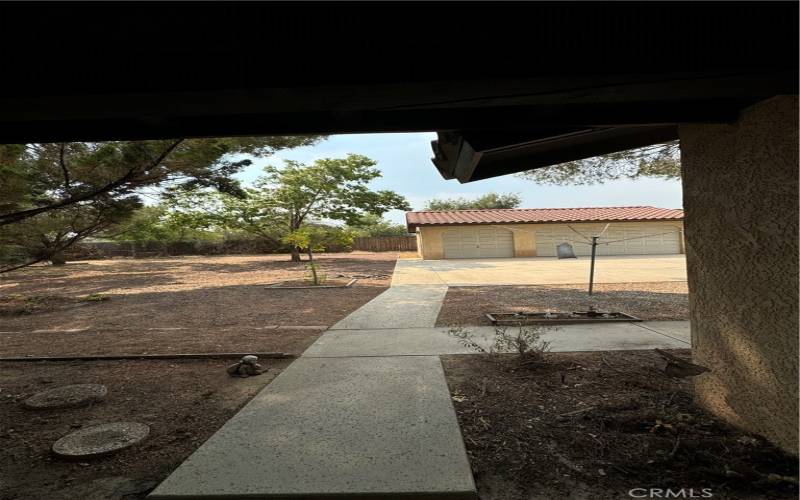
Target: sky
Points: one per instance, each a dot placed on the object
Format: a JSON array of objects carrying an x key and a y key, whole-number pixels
[{"x": 405, "y": 160}]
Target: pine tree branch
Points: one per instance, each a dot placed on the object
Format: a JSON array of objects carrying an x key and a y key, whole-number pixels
[{"x": 71, "y": 200}]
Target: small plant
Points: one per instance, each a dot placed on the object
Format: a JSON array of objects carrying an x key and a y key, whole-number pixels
[
  {"x": 315, "y": 274},
  {"x": 317, "y": 239},
  {"x": 525, "y": 341},
  {"x": 465, "y": 338},
  {"x": 95, "y": 297}
]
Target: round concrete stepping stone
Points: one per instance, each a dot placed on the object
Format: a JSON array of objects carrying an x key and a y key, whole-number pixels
[
  {"x": 100, "y": 439},
  {"x": 68, "y": 396}
]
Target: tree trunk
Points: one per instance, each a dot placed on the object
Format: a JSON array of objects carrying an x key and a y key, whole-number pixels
[
  {"x": 57, "y": 259},
  {"x": 295, "y": 254}
]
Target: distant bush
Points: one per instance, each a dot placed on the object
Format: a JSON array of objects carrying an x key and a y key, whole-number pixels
[{"x": 238, "y": 246}]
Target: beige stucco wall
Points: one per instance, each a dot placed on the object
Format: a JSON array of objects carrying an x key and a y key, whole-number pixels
[
  {"x": 740, "y": 198},
  {"x": 430, "y": 243},
  {"x": 432, "y": 246}
]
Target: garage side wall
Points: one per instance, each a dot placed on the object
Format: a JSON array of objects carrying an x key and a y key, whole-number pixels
[{"x": 740, "y": 196}]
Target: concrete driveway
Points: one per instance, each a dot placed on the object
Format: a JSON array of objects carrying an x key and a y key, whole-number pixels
[{"x": 540, "y": 270}]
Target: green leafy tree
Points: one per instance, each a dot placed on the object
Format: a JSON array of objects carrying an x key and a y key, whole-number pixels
[
  {"x": 45, "y": 177},
  {"x": 374, "y": 225},
  {"x": 287, "y": 198},
  {"x": 145, "y": 225},
  {"x": 46, "y": 236},
  {"x": 490, "y": 200},
  {"x": 255, "y": 214},
  {"x": 90, "y": 187},
  {"x": 161, "y": 224},
  {"x": 659, "y": 161}
]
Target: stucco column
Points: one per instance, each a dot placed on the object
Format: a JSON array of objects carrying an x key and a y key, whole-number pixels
[{"x": 740, "y": 195}]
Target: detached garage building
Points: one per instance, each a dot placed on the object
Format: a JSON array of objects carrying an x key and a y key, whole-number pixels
[{"x": 535, "y": 232}]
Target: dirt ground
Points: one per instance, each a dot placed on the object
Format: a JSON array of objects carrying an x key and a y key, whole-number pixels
[
  {"x": 180, "y": 304},
  {"x": 467, "y": 306},
  {"x": 183, "y": 402},
  {"x": 153, "y": 306},
  {"x": 613, "y": 423}
]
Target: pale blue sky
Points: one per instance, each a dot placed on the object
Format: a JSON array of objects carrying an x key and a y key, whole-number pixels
[{"x": 405, "y": 160}]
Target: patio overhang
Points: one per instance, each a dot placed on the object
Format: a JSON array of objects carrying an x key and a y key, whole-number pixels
[
  {"x": 585, "y": 79},
  {"x": 604, "y": 120}
]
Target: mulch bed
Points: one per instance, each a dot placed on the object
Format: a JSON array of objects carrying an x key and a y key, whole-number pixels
[
  {"x": 219, "y": 304},
  {"x": 596, "y": 425},
  {"x": 467, "y": 306},
  {"x": 184, "y": 403}
]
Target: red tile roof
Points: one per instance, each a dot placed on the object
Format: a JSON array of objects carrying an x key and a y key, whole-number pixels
[{"x": 540, "y": 215}]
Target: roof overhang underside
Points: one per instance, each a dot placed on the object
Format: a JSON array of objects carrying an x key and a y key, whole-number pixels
[
  {"x": 616, "y": 116},
  {"x": 459, "y": 155},
  {"x": 508, "y": 90}
]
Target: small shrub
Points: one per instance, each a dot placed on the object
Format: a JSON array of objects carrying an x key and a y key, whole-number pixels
[
  {"x": 315, "y": 274},
  {"x": 524, "y": 340},
  {"x": 465, "y": 338}
]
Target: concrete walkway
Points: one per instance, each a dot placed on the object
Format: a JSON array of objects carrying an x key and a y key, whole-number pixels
[
  {"x": 366, "y": 411},
  {"x": 344, "y": 427},
  {"x": 398, "y": 307},
  {"x": 436, "y": 341},
  {"x": 381, "y": 427}
]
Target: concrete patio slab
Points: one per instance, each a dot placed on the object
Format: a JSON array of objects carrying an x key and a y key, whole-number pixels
[
  {"x": 336, "y": 428},
  {"x": 436, "y": 341},
  {"x": 540, "y": 270},
  {"x": 679, "y": 330},
  {"x": 398, "y": 307}
]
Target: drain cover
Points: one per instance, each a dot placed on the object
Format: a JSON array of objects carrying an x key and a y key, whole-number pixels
[
  {"x": 100, "y": 439},
  {"x": 68, "y": 396}
]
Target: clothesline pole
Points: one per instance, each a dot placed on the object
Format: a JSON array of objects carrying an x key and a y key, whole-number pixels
[{"x": 591, "y": 267}]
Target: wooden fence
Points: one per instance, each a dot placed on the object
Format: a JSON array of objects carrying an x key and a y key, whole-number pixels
[{"x": 386, "y": 244}]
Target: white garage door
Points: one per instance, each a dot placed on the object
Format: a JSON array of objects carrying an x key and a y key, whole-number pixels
[
  {"x": 641, "y": 239},
  {"x": 476, "y": 243}
]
